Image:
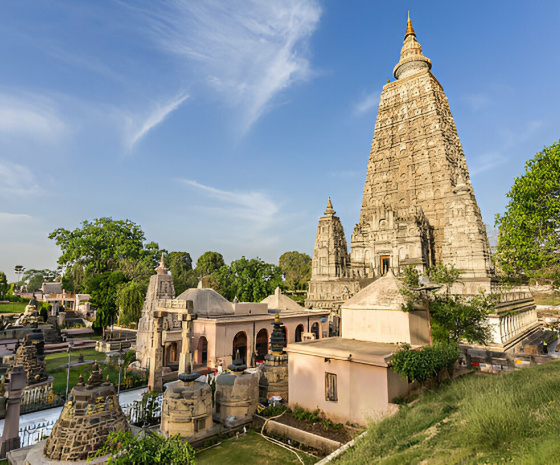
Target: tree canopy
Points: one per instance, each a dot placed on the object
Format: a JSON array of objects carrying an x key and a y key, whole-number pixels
[
  {"x": 209, "y": 262},
  {"x": 296, "y": 268},
  {"x": 529, "y": 230},
  {"x": 248, "y": 280},
  {"x": 99, "y": 245},
  {"x": 180, "y": 265}
]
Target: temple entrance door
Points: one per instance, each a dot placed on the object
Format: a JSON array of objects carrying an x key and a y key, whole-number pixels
[
  {"x": 299, "y": 331},
  {"x": 384, "y": 264},
  {"x": 315, "y": 329},
  {"x": 240, "y": 344},
  {"x": 202, "y": 351},
  {"x": 261, "y": 344}
]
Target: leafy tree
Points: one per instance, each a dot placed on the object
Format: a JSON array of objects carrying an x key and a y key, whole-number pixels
[
  {"x": 296, "y": 268},
  {"x": 248, "y": 280},
  {"x": 125, "y": 449},
  {"x": 130, "y": 300},
  {"x": 137, "y": 269},
  {"x": 180, "y": 265},
  {"x": 35, "y": 278},
  {"x": 453, "y": 317},
  {"x": 103, "y": 289},
  {"x": 99, "y": 245},
  {"x": 529, "y": 230},
  {"x": 3, "y": 285},
  {"x": 209, "y": 262}
]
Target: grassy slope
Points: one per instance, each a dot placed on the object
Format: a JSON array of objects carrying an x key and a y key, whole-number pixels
[
  {"x": 252, "y": 449},
  {"x": 547, "y": 299},
  {"x": 13, "y": 307},
  {"x": 508, "y": 418}
]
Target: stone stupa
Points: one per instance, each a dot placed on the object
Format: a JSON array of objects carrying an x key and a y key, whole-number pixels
[{"x": 92, "y": 411}]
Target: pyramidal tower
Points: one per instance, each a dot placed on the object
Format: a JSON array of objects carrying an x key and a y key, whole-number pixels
[
  {"x": 418, "y": 204},
  {"x": 330, "y": 280},
  {"x": 418, "y": 208}
]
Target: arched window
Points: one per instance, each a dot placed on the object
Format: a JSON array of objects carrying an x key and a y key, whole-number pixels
[
  {"x": 261, "y": 344},
  {"x": 202, "y": 351},
  {"x": 299, "y": 332},
  {"x": 240, "y": 346},
  {"x": 315, "y": 329}
]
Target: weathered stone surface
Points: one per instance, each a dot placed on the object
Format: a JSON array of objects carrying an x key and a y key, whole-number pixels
[
  {"x": 91, "y": 412},
  {"x": 28, "y": 357},
  {"x": 187, "y": 409},
  {"x": 330, "y": 283},
  {"x": 160, "y": 287}
]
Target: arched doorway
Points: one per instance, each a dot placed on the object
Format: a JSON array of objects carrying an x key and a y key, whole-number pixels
[
  {"x": 240, "y": 344},
  {"x": 315, "y": 329},
  {"x": 261, "y": 344},
  {"x": 202, "y": 351},
  {"x": 299, "y": 332},
  {"x": 171, "y": 354}
]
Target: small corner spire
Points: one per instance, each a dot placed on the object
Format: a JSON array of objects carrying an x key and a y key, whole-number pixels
[{"x": 161, "y": 268}]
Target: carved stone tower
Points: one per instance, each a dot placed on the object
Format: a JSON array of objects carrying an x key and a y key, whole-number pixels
[
  {"x": 417, "y": 169},
  {"x": 330, "y": 283},
  {"x": 160, "y": 287}
]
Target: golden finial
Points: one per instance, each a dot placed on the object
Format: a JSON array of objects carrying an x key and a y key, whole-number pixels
[
  {"x": 277, "y": 317},
  {"x": 409, "y": 29}
]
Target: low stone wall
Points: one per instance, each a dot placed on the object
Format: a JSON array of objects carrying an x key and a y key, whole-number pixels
[{"x": 323, "y": 445}]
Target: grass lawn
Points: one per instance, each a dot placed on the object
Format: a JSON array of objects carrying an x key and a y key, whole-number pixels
[
  {"x": 476, "y": 419},
  {"x": 252, "y": 449},
  {"x": 547, "y": 299},
  {"x": 13, "y": 307},
  {"x": 54, "y": 363}
]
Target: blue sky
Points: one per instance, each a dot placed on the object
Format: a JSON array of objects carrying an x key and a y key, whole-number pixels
[{"x": 226, "y": 125}]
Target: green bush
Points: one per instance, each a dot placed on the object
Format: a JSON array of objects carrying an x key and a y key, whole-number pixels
[
  {"x": 273, "y": 411},
  {"x": 302, "y": 414},
  {"x": 421, "y": 365}
]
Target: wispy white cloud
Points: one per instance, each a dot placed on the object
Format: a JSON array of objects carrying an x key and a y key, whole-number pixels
[
  {"x": 80, "y": 60},
  {"x": 367, "y": 104},
  {"x": 486, "y": 162},
  {"x": 249, "y": 50},
  {"x": 510, "y": 139},
  {"x": 256, "y": 207},
  {"x": 136, "y": 127},
  {"x": 17, "y": 181},
  {"x": 13, "y": 218},
  {"x": 30, "y": 115},
  {"x": 476, "y": 101}
]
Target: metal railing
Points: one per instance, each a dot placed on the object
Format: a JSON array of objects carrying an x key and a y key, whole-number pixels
[{"x": 32, "y": 434}]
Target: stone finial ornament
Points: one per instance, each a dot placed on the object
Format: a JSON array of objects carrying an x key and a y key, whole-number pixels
[{"x": 329, "y": 211}]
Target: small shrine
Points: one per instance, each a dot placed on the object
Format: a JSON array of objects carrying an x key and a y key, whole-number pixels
[
  {"x": 33, "y": 363},
  {"x": 237, "y": 395},
  {"x": 274, "y": 370},
  {"x": 92, "y": 411}
]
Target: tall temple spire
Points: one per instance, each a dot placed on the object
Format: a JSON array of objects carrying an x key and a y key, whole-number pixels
[{"x": 412, "y": 60}]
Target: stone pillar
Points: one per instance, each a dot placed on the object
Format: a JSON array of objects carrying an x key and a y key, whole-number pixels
[
  {"x": 155, "y": 380},
  {"x": 186, "y": 319},
  {"x": 10, "y": 436}
]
